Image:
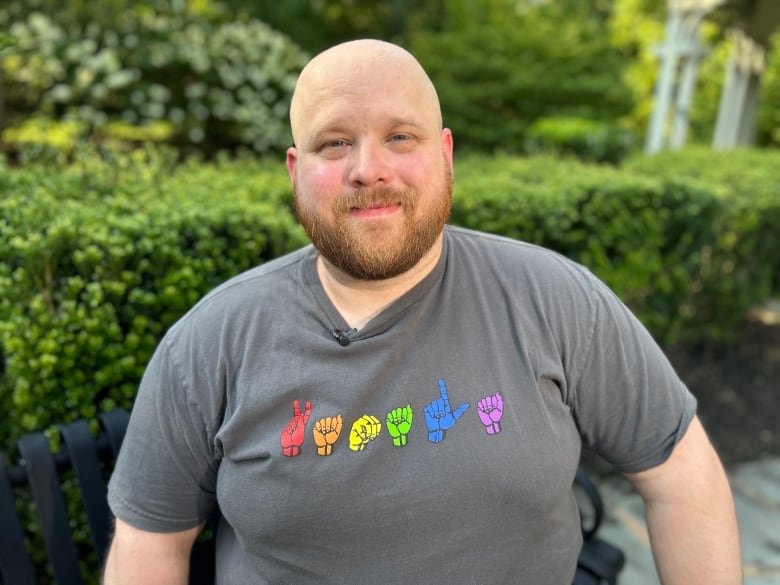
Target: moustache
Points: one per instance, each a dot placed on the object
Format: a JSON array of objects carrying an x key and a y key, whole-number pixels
[{"x": 376, "y": 197}]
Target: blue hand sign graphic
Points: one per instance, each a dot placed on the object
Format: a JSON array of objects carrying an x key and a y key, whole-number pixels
[{"x": 439, "y": 416}]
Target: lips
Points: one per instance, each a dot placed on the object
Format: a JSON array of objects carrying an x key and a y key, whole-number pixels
[
  {"x": 377, "y": 205},
  {"x": 375, "y": 210}
]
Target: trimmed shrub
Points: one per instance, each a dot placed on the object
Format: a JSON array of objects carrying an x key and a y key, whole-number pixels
[
  {"x": 99, "y": 258},
  {"x": 744, "y": 255},
  {"x": 644, "y": 238}
]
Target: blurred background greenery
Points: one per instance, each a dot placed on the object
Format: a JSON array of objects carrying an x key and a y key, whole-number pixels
[{"x": 515, "y": 76}]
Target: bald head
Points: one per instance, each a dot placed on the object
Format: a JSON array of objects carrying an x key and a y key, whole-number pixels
[{"x": 356, "y": 72}]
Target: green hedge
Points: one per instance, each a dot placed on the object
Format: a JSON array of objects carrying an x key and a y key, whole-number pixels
[
  {"x": 745, "y": 255},
  {"x": 640, "y": 236},
  {"x": 588, "y": 140},
  {"x": 688, "y": 239},
  {"x": 98, "y": 259},
  {"x": 100, "y": 256}
]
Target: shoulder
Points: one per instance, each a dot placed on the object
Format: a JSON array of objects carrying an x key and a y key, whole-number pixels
[
  {"x": 516, "y": 261},
  {"x": 553, "y": 292},
  {"x": 252, "y": 292},
  {"x": 277, "y": 272}
]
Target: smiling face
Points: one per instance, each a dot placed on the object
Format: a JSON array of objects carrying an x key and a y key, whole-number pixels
[{"x": 372, "y": 167}]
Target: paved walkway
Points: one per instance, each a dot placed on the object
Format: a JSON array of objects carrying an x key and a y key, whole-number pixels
[{"x": 756, "y": 488}]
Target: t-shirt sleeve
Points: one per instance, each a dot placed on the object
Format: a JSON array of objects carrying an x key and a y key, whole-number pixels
[
  {"x": 165, "y": 476},
  {"x": 629, "y": 403}
]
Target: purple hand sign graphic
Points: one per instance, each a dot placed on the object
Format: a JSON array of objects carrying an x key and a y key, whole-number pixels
[{"x": 491, "y": 409}]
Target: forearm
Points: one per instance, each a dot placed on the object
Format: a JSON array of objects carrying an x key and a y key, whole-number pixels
[
  {"x": 696, "y": 542},
  {"x": 136, "y": 556},
  {"x": 690, "y": 515}
]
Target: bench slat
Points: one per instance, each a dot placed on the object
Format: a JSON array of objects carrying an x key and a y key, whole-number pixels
[
  {"x": 114, "y": 425},
  {"x": 84, "y": 458},
  {"x": 50, "y": 507},
  {"x": 15, "y": 565}
]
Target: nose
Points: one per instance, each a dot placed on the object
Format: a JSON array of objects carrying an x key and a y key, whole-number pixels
[{"x": 368, "y": 166}]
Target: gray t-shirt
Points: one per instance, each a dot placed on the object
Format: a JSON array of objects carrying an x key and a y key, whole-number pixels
[{"x": 437, "y": 446}]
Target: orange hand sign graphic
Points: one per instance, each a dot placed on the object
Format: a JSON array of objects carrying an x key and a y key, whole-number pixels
[{"x": 326, "y": 432}]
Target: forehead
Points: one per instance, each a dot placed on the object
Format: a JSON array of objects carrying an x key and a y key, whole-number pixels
[
  {"x": 366, "y": 99},
  {"x": 354, "y": 87}
]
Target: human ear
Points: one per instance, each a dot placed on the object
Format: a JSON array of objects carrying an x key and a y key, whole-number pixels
[
  {"x": 447, "y": 144},
  {"x": 292, "y": 162}
]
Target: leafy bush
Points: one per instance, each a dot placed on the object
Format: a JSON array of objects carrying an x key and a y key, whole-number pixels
[
  {"x": 688, "y": 239},
  {"x": 99, "y": 258},
  {"x": 174, "y": 77},
  {"x": 744, "y": 255},
  {"x": 6, "y": 41},
  {"x": 644, "y": 238}
]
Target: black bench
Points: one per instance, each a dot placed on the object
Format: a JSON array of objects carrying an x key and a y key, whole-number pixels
[
  {"x": 40, "y": 474},
  {"x": 39, "y": 478}
]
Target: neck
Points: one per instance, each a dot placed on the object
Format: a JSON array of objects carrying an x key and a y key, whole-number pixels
[{"x": 359, "y": 301}]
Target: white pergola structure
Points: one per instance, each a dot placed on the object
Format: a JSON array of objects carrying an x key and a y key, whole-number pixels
[
  {"x": 739, "y": 97},
  {"x": 680, "y": 55}
]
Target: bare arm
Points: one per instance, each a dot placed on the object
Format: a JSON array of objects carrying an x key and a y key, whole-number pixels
[
  {"x": 137, "y": 556},
  {"x": 690, "y": 515}
]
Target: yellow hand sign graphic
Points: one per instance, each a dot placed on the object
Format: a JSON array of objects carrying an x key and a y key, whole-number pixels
[
  {"x": 364, "y": 429},
  {"x": 326, "y": 432}
]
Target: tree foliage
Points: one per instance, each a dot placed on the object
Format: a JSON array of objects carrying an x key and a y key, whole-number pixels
[
  {"x": 500, "y": 69},
  {"x": 207, "y": 75},
  {"x": 172, "y": 76}
]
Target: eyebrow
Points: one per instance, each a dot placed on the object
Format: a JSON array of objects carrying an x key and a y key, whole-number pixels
[
  {"x": 342, "y": 125},
  {"x": 339, "y": 126},
  {"x": 397, "y": 121}
]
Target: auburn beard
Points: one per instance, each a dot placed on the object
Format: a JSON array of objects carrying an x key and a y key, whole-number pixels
[{"x": 367, "y": 252}]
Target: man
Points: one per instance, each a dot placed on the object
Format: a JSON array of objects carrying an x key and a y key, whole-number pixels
[{"x": 403, "y": 402}]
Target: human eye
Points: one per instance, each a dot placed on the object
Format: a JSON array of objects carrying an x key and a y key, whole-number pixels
[
  {"x": 401, "y": 141},
  {"x": 332, "y": 147}
]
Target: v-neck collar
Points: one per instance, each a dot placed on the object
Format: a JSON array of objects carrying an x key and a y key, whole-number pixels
[{"x": 387, "y": 316}]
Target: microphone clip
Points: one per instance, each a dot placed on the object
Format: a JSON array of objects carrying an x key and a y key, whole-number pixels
[{"x": 342, "y": 336}]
